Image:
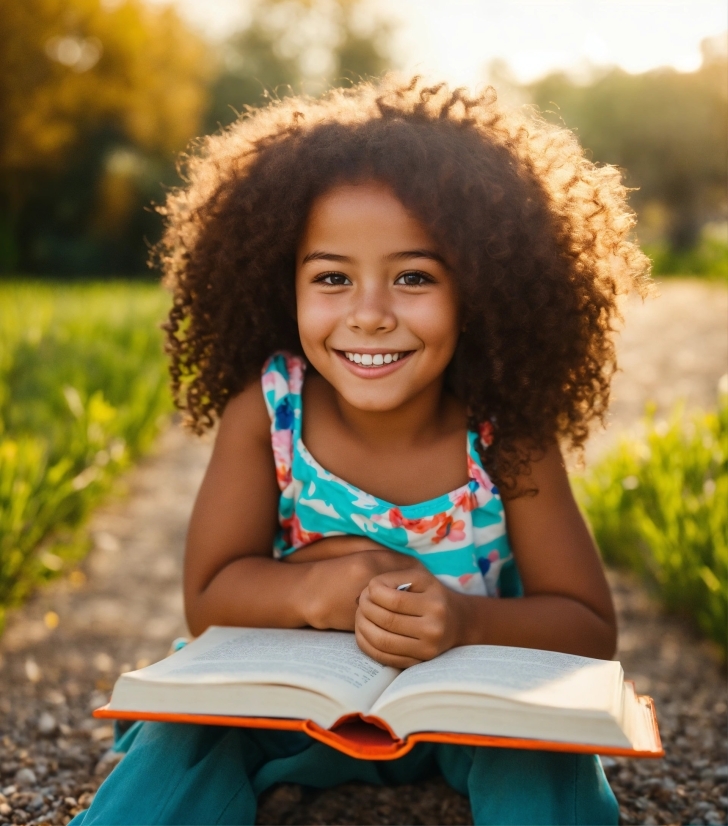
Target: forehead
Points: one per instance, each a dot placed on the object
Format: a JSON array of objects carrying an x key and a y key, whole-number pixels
[{"x": 362, "y": 213}]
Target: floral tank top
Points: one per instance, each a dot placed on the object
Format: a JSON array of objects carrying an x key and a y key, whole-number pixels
[{"x": 460, "y": 537}]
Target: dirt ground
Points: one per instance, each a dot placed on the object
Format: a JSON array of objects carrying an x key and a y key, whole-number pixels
[{"x": 63, "y": 650}]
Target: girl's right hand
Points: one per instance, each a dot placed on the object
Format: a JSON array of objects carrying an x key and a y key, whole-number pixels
[{"x": 333, "y": 584}]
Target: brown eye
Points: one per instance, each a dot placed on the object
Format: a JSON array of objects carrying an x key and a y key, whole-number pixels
[
  {"x": 333, "y": 279},
  {"x": 413, "y": 279}
]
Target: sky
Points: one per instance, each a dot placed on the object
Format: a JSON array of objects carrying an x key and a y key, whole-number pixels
[{"x": 456, "y": 39}]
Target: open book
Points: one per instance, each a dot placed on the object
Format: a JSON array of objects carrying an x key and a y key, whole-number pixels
[{"x": 321, "y": 682}]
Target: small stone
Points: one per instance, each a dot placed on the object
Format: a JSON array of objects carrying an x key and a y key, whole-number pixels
[
  {"x": 108, "y": 761},
  {"x": 35, "y": 802},
  {"x": 70, "y": 801},
  {"x": 97, "y": 698},
  {"x": 5, "y": 809},
  {"x": 102, "y": 733},
  {"x": 86, "y": 799},
  {"x": 608, "y": 762},
  {"x": 721, "y": 772},
  {"x": 32, "y": 670},
  {"x": 25, "y": 777},
  {"x": 56, "y": 697},
  {"x": 713, "y": 817},
  {"x": 47, "y": 723},
  {"x": 8, "y": 790}
]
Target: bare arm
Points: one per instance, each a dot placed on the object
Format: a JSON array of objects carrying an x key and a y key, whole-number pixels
[
  {"x": 566, "y": 606},
  {"x": 230, "y": 577}
]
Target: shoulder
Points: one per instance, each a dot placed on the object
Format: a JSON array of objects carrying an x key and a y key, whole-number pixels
[
  {"x": 245, "y": 417},
  {"x": 543, "y": 481},
  {"x": 249, "y": 413}
]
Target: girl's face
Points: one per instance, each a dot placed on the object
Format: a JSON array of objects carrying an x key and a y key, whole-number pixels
[{"x": 377, "y": 306}]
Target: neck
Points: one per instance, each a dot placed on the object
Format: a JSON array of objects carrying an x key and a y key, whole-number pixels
[{"x": 418, "y": 420}]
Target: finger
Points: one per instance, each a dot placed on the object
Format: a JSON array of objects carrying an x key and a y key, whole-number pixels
[
  {"x": 382, "y": 657},
  {"x": 399, "y": 602},
  {"x": 386, "y": 641},
  {"x": 403, "y": 624},
  {"x": 418, "y": 578}
]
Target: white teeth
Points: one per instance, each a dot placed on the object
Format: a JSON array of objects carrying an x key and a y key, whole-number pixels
[{"x": 376, "y": 360}]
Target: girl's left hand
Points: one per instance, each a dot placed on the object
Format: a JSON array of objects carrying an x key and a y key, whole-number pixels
[{"x": 403, "y": 628}]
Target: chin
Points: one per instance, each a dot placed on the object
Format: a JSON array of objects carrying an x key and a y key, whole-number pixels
[{"x": 377, "y": 402}]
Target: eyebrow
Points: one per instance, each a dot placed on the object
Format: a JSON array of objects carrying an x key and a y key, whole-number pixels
[{"x": 321, "y": 255}]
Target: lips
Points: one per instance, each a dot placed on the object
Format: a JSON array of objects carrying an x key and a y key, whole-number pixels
[{"x": 368, "y": 364}]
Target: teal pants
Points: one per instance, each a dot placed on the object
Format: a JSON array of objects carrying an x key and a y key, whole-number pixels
[{"x": 177, "y": 773}]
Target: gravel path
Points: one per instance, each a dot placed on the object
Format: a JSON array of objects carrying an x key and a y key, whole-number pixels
[{"x": 63, "y": 650}]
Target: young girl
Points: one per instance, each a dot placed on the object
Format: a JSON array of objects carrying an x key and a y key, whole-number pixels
[{"x": 427, "y": 284}]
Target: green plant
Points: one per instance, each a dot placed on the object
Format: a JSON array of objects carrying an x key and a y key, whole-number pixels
[
  {"x": 83, "y": 391},
  {"x": 659, "y": 506},
  {"x": 709, "y": 259}
]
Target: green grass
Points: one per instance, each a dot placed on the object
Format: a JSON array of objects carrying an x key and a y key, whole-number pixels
[
  {"x": 83, "y": 391},
  {"x": 709, "y": 260},
  {"x": 659, "y": 506}
]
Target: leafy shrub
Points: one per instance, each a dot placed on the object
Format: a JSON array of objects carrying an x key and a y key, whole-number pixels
[
  {"x": 709, "y": 259},
  {"x": 83, "y": 391},
  {"x": 659, "y": 506}
]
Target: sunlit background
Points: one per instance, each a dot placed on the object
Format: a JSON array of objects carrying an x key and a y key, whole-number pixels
[
  {"x": 456, "y": 39},
  {"x": 98, "y": 96}
]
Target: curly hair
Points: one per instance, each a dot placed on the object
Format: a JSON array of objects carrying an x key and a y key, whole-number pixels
[{"x": 538, "y": 236}]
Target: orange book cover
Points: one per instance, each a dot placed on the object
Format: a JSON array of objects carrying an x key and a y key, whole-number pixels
[{"x": 370, "y": 738}]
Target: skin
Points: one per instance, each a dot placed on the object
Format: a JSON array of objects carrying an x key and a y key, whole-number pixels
[{"x": 369, "y": 278}]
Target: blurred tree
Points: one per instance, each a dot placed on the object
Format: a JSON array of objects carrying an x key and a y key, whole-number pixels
[
  {"x": 96, "y": 98},
  {"x": 666, "y": 129},
  {"x": 293, "y": 46}
]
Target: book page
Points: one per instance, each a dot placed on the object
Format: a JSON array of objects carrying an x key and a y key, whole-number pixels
[
  {"x": 327, "y": 662},
  {"x": 523, "y": 675}
]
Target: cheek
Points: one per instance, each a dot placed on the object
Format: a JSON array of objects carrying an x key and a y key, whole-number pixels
[
  {"x": 435, "y": 322},
  {"x": 317, "y": 317}
]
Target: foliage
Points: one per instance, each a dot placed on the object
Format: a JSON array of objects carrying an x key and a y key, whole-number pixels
[
  {"x": 293, "y": 46},
  {"x": 659, "y": 506},
  {"x": 709, "y": 258},
  {"x": 96, "y": 98},
  {"x": 83, "y": 391},
  {"x": 665, "y": 128}
]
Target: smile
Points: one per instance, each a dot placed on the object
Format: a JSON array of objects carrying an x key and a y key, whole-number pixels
[
  {"x": 374, "y": 360},
  {"x": 373, "y": 365}
]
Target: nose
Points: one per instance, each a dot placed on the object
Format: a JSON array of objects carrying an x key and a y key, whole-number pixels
[{"x": 372, "y": 311}]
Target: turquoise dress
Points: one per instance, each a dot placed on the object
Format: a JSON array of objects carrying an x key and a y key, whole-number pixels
[
  {"x": 174, "y": 773},
  {"x": 460, "y": 537}
]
